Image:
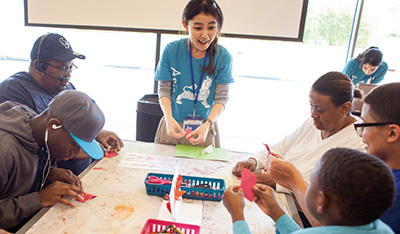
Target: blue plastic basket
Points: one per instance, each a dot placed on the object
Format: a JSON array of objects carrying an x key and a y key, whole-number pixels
[{"x": 214, "y": 193}]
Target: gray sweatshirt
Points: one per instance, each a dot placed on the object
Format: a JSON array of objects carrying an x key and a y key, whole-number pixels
[{"x": 18, "y": 165}]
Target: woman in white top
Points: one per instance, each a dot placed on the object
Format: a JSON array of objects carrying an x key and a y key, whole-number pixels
[{"x": 330, "y": 126}]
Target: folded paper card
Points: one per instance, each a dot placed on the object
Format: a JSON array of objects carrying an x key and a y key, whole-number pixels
[
  {"x": 247, "y": 183},
  {"x": 190, "y": 151},
  {"x": 110, "y": 154},
  {"x": 87, "y": 197}
]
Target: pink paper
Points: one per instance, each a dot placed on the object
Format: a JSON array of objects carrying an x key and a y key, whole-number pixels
[
  {"x": 110, "y": 155},
  {"x": 87, "y": 197},
  {"x": 247, "y": 183},
  {"x": 187, "y": 131}
]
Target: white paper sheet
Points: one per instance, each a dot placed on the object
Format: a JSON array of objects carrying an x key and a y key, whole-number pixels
[
  {"x": 189, "y": 213},
  {"x": 150, "y": 162}
]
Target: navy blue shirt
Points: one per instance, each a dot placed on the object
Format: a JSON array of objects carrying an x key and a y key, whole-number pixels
[{"x": 392, "y": 216}]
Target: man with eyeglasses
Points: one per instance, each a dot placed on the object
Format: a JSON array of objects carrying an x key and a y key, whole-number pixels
[
  {"x": 49, "y": 73},
  {"x": 380, "y": 130}
]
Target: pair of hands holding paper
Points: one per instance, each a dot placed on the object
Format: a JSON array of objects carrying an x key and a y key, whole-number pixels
[
  {"x": 195, "y": 137},
  {"x": 62, "y": 182},
  {"x": 233, "y": 200},
  {"x": 277, "y": 170}
]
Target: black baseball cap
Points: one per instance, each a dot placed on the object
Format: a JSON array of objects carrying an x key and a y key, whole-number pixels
[{"x": 54, "y": 46}]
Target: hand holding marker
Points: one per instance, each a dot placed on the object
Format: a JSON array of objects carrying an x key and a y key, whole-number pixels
[{"x": 268, "y": 160}]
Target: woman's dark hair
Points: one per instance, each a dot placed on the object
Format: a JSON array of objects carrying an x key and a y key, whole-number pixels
[
  {"x": 338, "y": 86},
  {"x": 372, "y": 55},
  {"x": 208, "y": 7},
  {"x": 361, "y": 184}
]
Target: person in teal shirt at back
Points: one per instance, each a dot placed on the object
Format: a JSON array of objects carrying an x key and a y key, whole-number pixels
[
  {"x": 367, "y": 68},
  {"x": 348, "y": 193}
]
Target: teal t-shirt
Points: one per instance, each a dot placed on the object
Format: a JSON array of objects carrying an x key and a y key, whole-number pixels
[
  {"x": 175, "y": 65},
  {"x": 285, "y": 225},
  {"x": 357, "y": 75}
]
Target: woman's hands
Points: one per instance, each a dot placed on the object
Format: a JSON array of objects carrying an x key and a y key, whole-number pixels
[
  {"x": 195, "y": 137},
  {"x": 173, "y": 128},
  {"x": 284, "y": 172},
  {"x": 249, "y": 163},
  {"x": 199, "y": 135}
]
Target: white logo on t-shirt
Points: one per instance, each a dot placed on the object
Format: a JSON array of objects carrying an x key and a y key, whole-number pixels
[
  {"x": 175, "y": 72},
  {"x": 203, "y": 93}
]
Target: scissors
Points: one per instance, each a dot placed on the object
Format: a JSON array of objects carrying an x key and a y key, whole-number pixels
[{"x": 157, "y": 180}]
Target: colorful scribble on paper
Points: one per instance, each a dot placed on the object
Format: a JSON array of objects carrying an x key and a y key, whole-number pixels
[{"x": 152, "y": 162}]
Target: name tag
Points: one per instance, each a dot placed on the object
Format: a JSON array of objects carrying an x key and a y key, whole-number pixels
[{"x": 192, "y": 123}]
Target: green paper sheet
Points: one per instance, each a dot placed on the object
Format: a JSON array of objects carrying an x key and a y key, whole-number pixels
[{"x": 190, "y": 151}]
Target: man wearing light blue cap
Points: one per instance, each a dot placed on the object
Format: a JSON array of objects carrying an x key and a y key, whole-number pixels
[
  {"x": 31, "y": 146},
  {"x": 81, "y": 117}
]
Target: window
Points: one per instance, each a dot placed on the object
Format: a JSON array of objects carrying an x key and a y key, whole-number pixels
[{"x": 269, "y": 98}]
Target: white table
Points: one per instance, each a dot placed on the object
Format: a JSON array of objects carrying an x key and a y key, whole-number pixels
[{"x": 123, "y": 206}]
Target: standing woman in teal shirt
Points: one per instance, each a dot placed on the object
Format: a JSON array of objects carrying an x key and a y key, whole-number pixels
[
  {"x": 367, "y": 68},
  {"x": 194, "y": 74}
]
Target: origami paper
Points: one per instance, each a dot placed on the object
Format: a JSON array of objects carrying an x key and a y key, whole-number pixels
[{"x": 247, "y": 183}]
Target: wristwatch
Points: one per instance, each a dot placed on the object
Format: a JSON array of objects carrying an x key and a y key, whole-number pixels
[{"x": 210, "y": 121}]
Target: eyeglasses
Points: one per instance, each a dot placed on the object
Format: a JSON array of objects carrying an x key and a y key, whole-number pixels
[
  {"x": 360, "y": 126},
  {"x": 65, "y": 69}
]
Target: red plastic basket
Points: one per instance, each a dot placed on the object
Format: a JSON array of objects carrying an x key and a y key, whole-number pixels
[{"x": 155, "y": 225}]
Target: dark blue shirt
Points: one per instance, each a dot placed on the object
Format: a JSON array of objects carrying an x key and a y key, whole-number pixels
[{"x": 392, "y": 216}]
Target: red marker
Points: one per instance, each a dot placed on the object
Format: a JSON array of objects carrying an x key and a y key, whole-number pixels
[
  {"x": 268, "y": 160},
  {"x": 267, "y": 147}
]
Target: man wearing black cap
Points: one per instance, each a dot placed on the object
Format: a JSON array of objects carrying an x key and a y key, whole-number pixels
[
  {"x": 49, "y": 74},
  {"x": 30, "y": 145}
]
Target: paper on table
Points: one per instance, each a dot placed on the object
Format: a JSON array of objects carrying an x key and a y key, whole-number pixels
[
  {"x": 175, "y": 205},
  {"x": 190, "y": 213},
  {"x": 152, "y": 162},
  {"x": 190, "y": 151},
  {"x": 111, "y": 154},
  {"x": 247, "y": 183},
  {"x": 87, "y": 197}
]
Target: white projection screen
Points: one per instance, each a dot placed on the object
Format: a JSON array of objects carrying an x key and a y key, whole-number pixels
[{"x": 263, "y": 19}]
